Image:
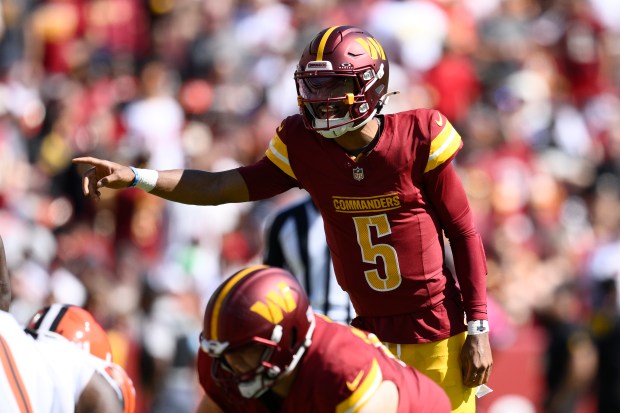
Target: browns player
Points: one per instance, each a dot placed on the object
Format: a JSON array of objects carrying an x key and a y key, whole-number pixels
[
  {"x": 42, "y": 371},
  {"x": 49, "y": 374},
  {"x": 80, "y": 327},
  {"x": 263, "y": 349},
  {"x": 388, "y": 193}
]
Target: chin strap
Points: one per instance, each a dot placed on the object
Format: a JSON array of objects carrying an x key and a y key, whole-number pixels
[
  {"x": 263, "y": 381},
  {"x": 384, "y": 100},
  {"x": 302, "y": 349}
]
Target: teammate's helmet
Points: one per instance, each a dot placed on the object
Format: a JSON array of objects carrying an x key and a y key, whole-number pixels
[
  {"x": 125, "y": 387},
  {"x": 75, "y": 324},
  {"x": 342, "y": 80},
  {"x": 264, "y": 306}
]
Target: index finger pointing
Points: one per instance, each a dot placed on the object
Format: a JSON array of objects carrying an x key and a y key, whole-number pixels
[{"x": 87, "y": 160}]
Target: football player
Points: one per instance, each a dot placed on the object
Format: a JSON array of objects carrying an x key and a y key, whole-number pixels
[
  {"x": 262, "y": 349},
  {"x": 43, "y": 372},
  {"x": 388, "y": 193},
  {"x": 48, "y": 374},
  {"x": 79, "y": 327}
]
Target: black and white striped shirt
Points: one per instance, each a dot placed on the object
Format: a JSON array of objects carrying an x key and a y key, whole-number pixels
[{"x": 296, "y": 241}]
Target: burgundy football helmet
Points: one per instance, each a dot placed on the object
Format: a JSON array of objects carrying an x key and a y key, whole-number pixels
[
  {"x": 263, "y": 306},
  {"x": 342, "y": 80}
]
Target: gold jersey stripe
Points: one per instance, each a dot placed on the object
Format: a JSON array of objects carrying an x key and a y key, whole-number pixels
[
  {"x": 319, "y": 53},
  {"x": 224, "y": 293},
  {"x": 364, "y": 392},
  {"x": 443, "y": 146},
  {"x": 278, "y": 154}
]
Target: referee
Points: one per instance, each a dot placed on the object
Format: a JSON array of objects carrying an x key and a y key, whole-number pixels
[{"x": 296, "y": 241}]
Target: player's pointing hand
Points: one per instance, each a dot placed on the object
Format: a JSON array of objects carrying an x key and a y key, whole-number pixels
[{"x": 103, "y": 174}]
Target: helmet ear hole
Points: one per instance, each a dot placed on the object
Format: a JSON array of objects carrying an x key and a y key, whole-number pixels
[
  {"x": 379, "y": 90},
  {"x": 293, "y": 342}
]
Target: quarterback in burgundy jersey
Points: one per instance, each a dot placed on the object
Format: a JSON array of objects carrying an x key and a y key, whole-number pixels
[
  {"x": 330, "y": 367},
  {"x": 384, "y": 215}
]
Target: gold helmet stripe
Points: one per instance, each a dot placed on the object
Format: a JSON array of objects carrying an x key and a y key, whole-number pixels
[
  {"x": 319, "y": 53},
  {"x": 224, "y": 293}
]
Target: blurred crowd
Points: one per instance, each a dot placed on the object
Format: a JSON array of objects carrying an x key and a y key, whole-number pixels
[{"x": 532, "y": 86}]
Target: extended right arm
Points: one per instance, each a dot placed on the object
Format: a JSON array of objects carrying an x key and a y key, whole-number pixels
[{"x": 184, "y": 186}]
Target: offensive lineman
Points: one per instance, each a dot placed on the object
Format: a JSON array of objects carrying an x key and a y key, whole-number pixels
[{"x": 263, "y": 349}]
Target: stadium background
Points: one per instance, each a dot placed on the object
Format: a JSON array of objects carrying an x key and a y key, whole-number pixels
[{"x": 532, "y": 85}]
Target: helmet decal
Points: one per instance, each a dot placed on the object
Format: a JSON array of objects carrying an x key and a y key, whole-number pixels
[
  {"x": 372, "y": 47},
  {"x": 48, "y": 318},
  {"x": 275, "y": 303}
]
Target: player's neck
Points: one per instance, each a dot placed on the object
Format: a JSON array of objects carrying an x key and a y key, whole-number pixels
[
  {"x": 356, "y": 141},
  {"x": 282, "y": 386}
]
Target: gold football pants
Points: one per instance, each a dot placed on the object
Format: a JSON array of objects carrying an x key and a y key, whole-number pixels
[{"x": 440, "y": 360}]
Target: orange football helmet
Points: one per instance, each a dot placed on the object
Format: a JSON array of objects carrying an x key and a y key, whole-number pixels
[{"x": 75, "y": 324}]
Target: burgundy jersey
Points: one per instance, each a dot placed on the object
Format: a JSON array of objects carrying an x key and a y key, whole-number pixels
[
  {"x": 341, "y": 369},
  {"x": 385, "y": 216}
]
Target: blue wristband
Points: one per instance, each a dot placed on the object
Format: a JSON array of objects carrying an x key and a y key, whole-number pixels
[{"x": 136, "y": 177}]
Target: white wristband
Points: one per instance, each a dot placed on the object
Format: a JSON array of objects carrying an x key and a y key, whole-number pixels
[
  {"x": 145, "y": 179},
  {"x": 477, "y": 327}
]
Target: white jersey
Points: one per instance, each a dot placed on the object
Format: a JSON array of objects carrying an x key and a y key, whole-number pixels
[{"x": 43, "y": 375}]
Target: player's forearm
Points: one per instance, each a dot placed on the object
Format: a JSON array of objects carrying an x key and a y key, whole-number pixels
[
  {"x": 5, "y": 296},
  {"x": 469, "y": 259},
  {"x": 471, "y": 271},
  {"x": 201, "y": 187},
  {"x": 5, "y": 284},
  {"x": 451, "y": 204}
]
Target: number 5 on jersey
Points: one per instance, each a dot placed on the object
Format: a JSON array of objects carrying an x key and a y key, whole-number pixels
[{"x": 364, "y": 227}]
